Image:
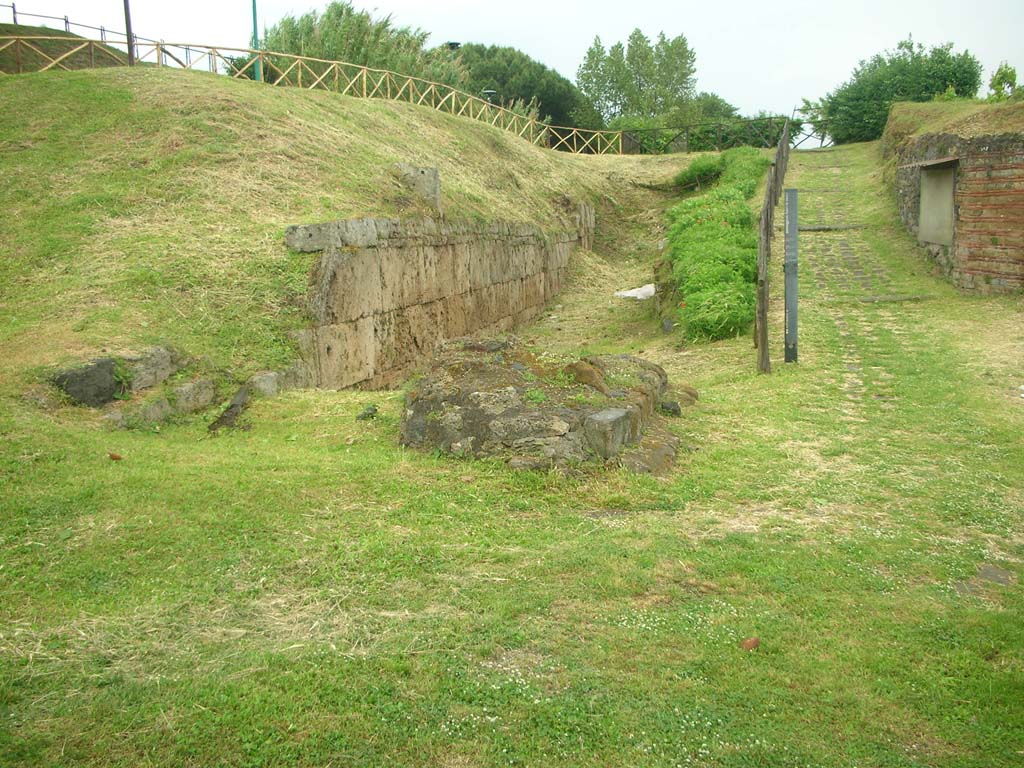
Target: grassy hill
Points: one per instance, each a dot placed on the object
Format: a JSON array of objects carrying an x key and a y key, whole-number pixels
[
  {"x": 967, "y": 119},
  {"x": 29, "y": 60},
  {"x": 148, "y": 205},
  {"x": 307, "y": 592}
]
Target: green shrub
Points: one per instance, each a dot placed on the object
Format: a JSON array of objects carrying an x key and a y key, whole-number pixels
[
  {"x": 721, "y": 312},
  {"x": 712, "y": 248},
  {"x": 704, "y": 170}
]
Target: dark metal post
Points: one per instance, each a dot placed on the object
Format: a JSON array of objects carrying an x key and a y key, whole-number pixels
[
  {"x": 67, "y": 24},
  {"x": 128, "y": 34},
  {"x": 14, "y": 12},
  {"x": 790, "y": 269}
]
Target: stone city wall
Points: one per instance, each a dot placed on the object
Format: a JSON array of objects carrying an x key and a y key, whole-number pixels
[{"x": 385, "y": 292}]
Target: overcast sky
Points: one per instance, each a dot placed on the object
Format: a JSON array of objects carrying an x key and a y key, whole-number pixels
[{"x": 754, "y": 54}]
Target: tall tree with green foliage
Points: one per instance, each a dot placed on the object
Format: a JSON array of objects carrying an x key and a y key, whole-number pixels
[
  {"x": 514, "y": 76},
  {"x": 1002, "y": 86},
  {"x": 858, "y": 109},
  {"x": 342, "y": 33},
  {"x": 638, "y": 79}
]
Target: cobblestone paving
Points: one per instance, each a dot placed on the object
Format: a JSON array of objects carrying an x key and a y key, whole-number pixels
[{"x": 843, "y": 278}]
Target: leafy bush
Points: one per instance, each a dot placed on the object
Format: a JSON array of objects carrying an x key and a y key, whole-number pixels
[
  {"x": 857, "y": 110},
  {"x": 514, "y": 76},
  {"x": 343, "y": 33},
  {"x": 702, "y": 171},
  {"x": 712, "y": 247}
]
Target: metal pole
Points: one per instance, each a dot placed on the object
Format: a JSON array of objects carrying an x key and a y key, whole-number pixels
[
  {"x": 128, "y": 34},
  {"x": 14, "y": 13},
  {"x": 790, "y": 269},
  {"x": 257, "y": 65}
]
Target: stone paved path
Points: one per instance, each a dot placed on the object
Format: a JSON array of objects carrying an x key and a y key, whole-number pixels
[{"x": 868, "y": 307}]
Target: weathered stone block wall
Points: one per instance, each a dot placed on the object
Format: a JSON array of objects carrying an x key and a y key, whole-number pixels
[
  {"x": 987, "y": 253},
  {"x": 385, "y": 292}
]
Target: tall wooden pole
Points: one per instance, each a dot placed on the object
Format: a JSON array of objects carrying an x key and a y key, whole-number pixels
[{"x": 128, "y": 32}]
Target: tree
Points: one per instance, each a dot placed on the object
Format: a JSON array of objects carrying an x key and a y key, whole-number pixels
[
  {"x": 858, "y": 109},
  {"x": 342, "y": 33},
  {"x": 1003, "y": 84},
  {"x": 514, "y": 76},
  {"x": 638, "y": 79}
]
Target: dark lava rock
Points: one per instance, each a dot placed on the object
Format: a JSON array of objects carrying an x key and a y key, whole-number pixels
[
  {"x": 670, "y": 408},
  {"x": 93, "y": 384},
  {"x": 523, "y": 410},
  {"x": 369, "y": 412},
  {"x": 234, "y": 410}
]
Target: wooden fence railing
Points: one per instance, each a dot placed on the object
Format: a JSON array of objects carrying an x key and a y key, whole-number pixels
[
  {"x": 707, "y": 135},
  {"x": 765, "y": 230},
  {"x": 38, "y": 54}
]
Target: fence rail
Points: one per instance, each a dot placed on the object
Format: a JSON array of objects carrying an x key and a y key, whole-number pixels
[
  {"x": 17, "y": 17},
  {"x": 42, "y": 53},
  {"x": 708, "y": 135},
  {"x": 765, "y": 230}
]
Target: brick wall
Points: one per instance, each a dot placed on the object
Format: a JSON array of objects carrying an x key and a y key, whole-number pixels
[{"x": 988, "y": 240}]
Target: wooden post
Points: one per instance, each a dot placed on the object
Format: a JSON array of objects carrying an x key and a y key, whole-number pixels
[{"x": 17, "y": 54}]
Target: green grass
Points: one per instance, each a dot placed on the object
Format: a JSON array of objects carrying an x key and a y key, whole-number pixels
[
  {"x": 150, "y": 206},
  {"x": 20, "y": 57},
  {"x": 308, "y": 593},
  {"x": 712, "y": 246},
  {"x": 967, "y": 118}
]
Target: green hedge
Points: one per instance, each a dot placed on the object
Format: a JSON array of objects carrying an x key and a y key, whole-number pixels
[
  {"x": 702, "y": 171},
  {"x": 712, "y": 246}
]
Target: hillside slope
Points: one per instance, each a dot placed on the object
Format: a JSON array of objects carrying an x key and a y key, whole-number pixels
[
  {"x": 22, "y": 56},
  {"x": 149, "y": 205}
]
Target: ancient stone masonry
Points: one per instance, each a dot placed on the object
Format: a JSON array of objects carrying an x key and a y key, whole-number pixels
[
  {"x": 498, "y": 398},
  {"x": 385, "y": 292},
  {"x": 986, "y": 249}
]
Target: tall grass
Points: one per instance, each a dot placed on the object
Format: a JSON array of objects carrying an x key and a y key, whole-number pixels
[{"x": 712, "y": 245}]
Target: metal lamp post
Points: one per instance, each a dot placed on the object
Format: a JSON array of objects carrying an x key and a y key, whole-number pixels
[{"x": 258, "y": 65}]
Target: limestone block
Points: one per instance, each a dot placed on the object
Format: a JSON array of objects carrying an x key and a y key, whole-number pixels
[
  {"x": 193, "y": 396},
  {"x": 344, "y": 286},
  {"x": 455, "y": 316},
  {"x": 152, "y": 367},
  {"x": 346, "y": 353},
  {"x": 354, "y": 233},
  {"x": 266, "y": 383},
  {"x": 606, "y": 431},
  {"x": 425, "y": 183},
  {"x": 155, "y": 411}
]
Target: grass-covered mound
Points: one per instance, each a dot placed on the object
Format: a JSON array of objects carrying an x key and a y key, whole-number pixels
[
  {"x": 148, "y": 206},
  {"x": 712, "y": 245}
]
